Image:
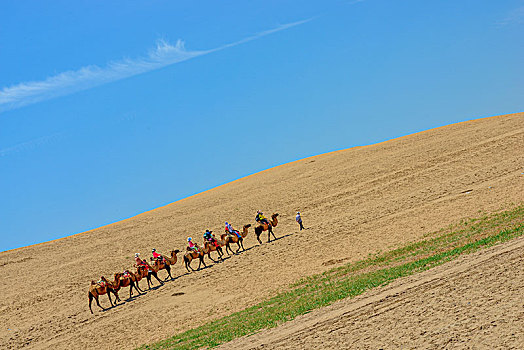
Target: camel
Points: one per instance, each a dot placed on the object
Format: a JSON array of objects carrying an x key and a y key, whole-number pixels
[
  {"x": 265, "y": 227},
  {"x": 129, "y": 279},
  {"x": 231, "y": 238},
  {"x": 211, "y": 247},
  {"x": 148, "y": 271},
  {"x": 173, "y": 259},
  {"x": 165, "y": 264},
  {"x": 141, "y": 271},
  {"x": 97, "y": 289},
  {"x": 191, "y": 254},
  {"x": 116, "y": 284}
]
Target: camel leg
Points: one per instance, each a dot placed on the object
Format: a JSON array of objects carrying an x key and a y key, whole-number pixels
[
  {"x": 188, "y": 264},
  {"x": 271, "y": 231},
  {"x": 220, "y": 253},
  {"x": 97, "y": 302},
  {"x": 258, "y": 237},
  {"x": 228, "y": 248},
  {"x": 209, "y": 256},
  {"x": 238, "y": 243},
  {"x": 109, "y": 296},
  {"x": 242, "y": 244},
  {"x": 168, "y": 269},
  {"x": 117, "y": 298},
  {"x": 202, "y": 262},
  {"x": 158, "y": 279},
  {"x": 91, "y": 297},
  {"x": 149, "y": 282},
  {"x": 136, "y": 287}
]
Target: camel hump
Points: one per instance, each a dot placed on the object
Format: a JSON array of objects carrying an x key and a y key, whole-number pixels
[{"x": 93, "y": 282}]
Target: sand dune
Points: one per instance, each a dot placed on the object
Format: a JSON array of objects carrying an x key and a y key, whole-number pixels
[
  {"x": 473, "y": 303},
  {"x": 355, "y": 202}
]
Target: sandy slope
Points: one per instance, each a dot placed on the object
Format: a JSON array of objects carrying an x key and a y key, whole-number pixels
[
  {"x": 474, "y": 302},
  {"x": 360, "y": 200}
]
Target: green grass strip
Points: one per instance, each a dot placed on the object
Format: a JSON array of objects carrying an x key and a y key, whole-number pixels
[{"x": 353, "y": 279}]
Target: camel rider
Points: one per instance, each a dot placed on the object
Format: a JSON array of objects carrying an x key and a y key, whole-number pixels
[
  {"x": 230, "y": 230},
  {"x": 208, "y": 236},
  {"x": 192, "y": 246},
  {"x": 158, "y": 256},
  {"x": 260, "y": 218},
  {"x": 140, "y": 262}
]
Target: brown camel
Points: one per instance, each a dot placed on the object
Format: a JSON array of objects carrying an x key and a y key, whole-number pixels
[
  {"x": 231, "y": 238},
  {"x": 100, "y": 288},
  {"x": 147, "y": 271},
  {"x": 211, "y": 247},
  {"x": 141, "y": 272},
  {"x": 265, "y": 227},
  {"x": 116, "y": 284},
  {"x": 172, "y": 259},
  {"x": 191, "y": 254},
  {"x": 129, "y": 279},
  {"x": 163, "y": 264}
]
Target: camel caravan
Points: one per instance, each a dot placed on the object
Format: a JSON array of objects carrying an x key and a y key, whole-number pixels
[{"x": 149, "y": 270}]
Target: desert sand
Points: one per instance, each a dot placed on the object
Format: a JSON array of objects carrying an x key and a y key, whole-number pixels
[
  {"x": 354, "y": 202},
  {"x": 472, "y": 303}
]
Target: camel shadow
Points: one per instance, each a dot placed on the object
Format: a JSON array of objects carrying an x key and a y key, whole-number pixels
[
  {"x": 280, "y": 237},
  {"x": 177, "y": 277},
  {"x": 155, "y": 287},
  {"x": 284, "y": 236},
  {"x": 112, "y": 307},
  {"x": 133, "y": 298},
  {"x": 245, "y": 250},
  {"x": 208, "y": 266}
]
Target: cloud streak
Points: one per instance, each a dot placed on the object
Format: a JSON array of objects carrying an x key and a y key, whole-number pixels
[
  {"x": 516, "y": 16},
  {"x": 69, "y": 82},
  {"x": 28, "y": 145}
]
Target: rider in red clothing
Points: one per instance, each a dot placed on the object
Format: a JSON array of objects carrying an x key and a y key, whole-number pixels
[
  {"x": 140, "y": 262},
  {"x": 158, "y": 256}
]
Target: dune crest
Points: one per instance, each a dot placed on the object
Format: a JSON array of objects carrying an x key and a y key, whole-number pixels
[{"x": 354, "y": 202}]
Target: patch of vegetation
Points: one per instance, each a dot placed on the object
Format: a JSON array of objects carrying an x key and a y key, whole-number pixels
[{"x": 353, "y": 279}]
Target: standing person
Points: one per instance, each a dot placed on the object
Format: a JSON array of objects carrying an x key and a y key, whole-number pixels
[{"x": 299, "y": 220}]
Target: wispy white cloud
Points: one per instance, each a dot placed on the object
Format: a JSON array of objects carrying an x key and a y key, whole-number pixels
[
  {"x": 516, "y": 16},
  {"x": 69, "y": 82},
  {"x": 28, "y": 145}
]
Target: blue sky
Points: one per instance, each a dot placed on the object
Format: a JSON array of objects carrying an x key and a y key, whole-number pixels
[{"x": 109, "y": 109}]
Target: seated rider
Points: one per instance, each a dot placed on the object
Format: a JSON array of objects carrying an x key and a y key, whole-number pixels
[
  {"x": 157, "y": 256},
  {"x": 192, "y": 246},
  {"x": 230, "y": 230},
  {"x": 261, "y": 218},
  {"x": 208, "y": 236},
  {"x": 139, "y": 262},
  {"x": 101, "y": 281}
]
